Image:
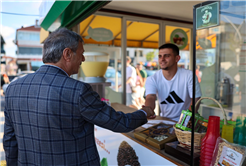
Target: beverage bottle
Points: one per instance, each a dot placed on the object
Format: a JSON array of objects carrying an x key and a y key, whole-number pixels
[
  {"x": 227, "y": 133},
  {"x": 241, "y": 135},
  {"x": 237, "y": 130}
]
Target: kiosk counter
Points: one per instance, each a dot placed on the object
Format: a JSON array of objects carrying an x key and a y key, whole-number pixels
[{"x": 125, "y": 149}]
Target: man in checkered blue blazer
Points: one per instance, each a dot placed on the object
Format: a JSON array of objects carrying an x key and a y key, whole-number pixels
[{"x": 50, "y": 117}]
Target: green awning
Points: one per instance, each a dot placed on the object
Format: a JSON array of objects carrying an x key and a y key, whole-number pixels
[{"x": 69, "y": 13}]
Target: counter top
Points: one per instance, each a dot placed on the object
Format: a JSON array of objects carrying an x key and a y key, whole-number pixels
[{"x": 126, "y": 109}]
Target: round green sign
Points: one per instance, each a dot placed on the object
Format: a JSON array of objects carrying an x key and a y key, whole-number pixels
[{"x": 180, "y": 38}]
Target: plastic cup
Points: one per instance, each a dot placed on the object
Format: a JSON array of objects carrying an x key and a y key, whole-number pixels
[
  {"x": 207, "y": 150},
  {"x": 207, "y": 153},
  {"x": 207, "y": 163},
  {"x": 213, "y": 131},
  {"x": 207, "y": 147},
  {"x": 206, "y": 157},
  {"x": 204, "y": 160},
  {"x": 204, "y": 163},
  {"x": 201, "y": 162},
  {"x": 208, "y": 144}
]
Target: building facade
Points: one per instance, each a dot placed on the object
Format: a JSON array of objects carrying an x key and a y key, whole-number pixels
[{"x": 29, "y": 49}]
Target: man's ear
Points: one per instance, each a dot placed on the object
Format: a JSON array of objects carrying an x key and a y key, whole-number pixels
[
  {"x": 67, "y": 54},
  {"x": 177, "y": 58}
]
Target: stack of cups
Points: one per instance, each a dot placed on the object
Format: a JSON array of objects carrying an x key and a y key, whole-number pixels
[{"x": 209, "y": 141}]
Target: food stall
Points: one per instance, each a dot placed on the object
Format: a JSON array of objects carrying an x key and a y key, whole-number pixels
[{"x": 216, "y": 42}]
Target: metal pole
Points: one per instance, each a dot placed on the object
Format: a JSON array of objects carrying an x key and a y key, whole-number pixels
[
  {"x": 123, "y": 58},
  {"x": 194, "y": 85}
]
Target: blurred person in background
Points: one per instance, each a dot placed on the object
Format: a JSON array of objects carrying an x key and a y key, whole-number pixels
[
  {"x": 50, "y": 117},
  {"x": 198, "y": 73},
  {"x": 131, "y": 78},
  {"x": 4, "y": 82},
  {"x": 142, "y": 76},
  {"x": 2, "y": 95}
]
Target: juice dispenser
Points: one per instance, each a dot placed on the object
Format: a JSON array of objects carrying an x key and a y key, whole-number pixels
[{"x": 95, "y": 66}]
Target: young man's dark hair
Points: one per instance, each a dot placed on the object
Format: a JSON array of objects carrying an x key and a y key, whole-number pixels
[{"x": 172, "y": 46}]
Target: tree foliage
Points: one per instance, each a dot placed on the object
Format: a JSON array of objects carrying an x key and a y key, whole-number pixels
[{"x": 150, "y": 56}]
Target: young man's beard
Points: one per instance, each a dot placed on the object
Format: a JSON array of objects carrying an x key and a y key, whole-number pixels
[{"x": 166, "y": 68}]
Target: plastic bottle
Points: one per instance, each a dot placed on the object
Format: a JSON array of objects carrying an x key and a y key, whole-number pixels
[
  {"x": 227, "y": 133},
  {"x": 237, "y": 130},
  {"x": 242, "y": 134}
]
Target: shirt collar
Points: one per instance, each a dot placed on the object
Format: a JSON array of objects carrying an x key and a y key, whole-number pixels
[{"x": 58, "y": 68}]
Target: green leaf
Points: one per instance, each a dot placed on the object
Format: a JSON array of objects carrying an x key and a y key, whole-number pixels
[{"x": 104, "y": 162}]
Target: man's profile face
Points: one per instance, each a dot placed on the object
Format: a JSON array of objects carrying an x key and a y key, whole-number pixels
[
  {"x": 77, "y": 58},
  {"x": 167, "y": 59}
]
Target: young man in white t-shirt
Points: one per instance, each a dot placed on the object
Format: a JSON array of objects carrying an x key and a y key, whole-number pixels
[{"x": 172, "y": 85}]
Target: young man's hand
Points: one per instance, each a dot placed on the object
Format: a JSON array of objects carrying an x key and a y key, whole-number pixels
[{"x": 149, "y": 111}]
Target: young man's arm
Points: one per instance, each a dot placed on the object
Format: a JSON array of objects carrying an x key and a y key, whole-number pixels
[
  {"x": 196, "y": 109},
  {"x": 150, "y": 101}
]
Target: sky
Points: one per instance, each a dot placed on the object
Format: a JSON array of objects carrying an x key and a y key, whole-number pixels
[{"x": 10, "y": 22}]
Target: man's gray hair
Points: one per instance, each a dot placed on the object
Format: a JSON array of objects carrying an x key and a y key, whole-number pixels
[{"x": 57, "y": 41}]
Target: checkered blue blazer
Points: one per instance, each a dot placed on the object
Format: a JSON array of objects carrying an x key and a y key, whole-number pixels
[{"x": 50, "y": 117}]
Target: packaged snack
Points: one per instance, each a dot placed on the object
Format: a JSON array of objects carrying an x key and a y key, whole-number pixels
[
  {"x": 185, "y": 121},
  {"x": 226, "y": 153}
]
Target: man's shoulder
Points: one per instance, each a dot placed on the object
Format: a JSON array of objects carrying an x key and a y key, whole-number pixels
[
  {"x": 157, "y": 75},
  {"x": 184, "y": 71}
]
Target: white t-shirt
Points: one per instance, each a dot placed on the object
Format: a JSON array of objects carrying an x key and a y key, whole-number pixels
[
  {"x": 130, "y": 72},
  {"x": 174, "y": 95}
]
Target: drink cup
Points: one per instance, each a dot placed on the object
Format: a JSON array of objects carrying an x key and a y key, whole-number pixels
[
  {"x": 207, "y": 163},
  {"x": 208, "y": 144},
  {"x": 213, "y": 131},
  {"x": 206, "y": 157},
  {"x": 207, "y": 154},
  {"x": 203, "y": 163},
  {"x": 207, "y": 150}
]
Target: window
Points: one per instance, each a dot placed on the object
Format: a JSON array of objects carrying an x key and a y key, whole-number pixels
[
  {"x": 30, "y": 50},
  {"x": 33, "y": 36},
  {"x": 139, "y": 53},
  {"x": 127, "y": 53}
]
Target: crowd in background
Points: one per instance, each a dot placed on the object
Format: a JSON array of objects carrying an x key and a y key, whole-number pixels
[{"x": 135, "y": 83}]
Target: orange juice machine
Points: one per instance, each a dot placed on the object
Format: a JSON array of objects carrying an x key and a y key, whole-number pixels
[{"x": 95, "y": 66}]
